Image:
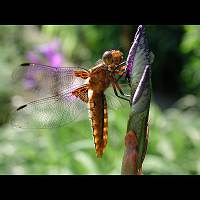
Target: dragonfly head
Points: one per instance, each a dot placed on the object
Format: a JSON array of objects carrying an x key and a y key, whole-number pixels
[{"x": 112, "y": 58}]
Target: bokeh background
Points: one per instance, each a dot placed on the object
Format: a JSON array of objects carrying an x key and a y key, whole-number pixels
[{"x": 174, "y": 141}]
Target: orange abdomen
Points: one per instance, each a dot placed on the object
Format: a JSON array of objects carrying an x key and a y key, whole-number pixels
[{"x": 99, "y": 119}]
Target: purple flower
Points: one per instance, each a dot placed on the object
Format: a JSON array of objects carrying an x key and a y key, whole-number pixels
[
  {"x": 33, "y": 57},
  {"x": 48, "y": 54},
  {"x": 51, "y": 53}
]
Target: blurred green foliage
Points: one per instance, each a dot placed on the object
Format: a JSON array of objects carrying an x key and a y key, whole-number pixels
[
  {"x": 174, "y": 142},
  {"x": 190, "y": 48}
]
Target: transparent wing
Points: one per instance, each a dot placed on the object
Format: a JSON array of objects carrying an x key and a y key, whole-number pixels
[
  {"x": 115, "y": 102},
  {"x": 49, "y": 112},
  {"x": 44, "y": 80}
]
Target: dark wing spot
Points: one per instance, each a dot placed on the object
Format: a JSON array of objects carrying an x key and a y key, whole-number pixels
[
  {"x": 25, "y": 64},
  {"x": 22, "y": 107}
]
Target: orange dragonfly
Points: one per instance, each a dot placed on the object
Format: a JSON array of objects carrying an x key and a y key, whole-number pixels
[{"x": 72, "y": 90}]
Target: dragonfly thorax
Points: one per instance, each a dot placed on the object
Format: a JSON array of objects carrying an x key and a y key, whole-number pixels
[{"x": 100, "y": 78}]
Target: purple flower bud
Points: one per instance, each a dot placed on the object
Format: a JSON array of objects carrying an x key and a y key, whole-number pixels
[
  {"x": 139, "y": 56},
  {"x": 142, "y": 96}
]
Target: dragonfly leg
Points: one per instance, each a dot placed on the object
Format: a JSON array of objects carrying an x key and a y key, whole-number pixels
[
  {"x": 120, "y": 90},
  {"x": 118, "y": 66},
  {"x": 116, "y": 93},
  {"x": 121, "y": 75},
  {"x": 118, "y": 86}
]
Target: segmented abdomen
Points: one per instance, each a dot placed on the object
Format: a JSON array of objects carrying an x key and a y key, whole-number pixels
[{"x": 99, "y": 119}]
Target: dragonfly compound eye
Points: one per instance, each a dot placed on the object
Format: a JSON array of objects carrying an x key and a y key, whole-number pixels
[
  {"x": 117, "y": 57},
  {"x": 107, "y": 58}
]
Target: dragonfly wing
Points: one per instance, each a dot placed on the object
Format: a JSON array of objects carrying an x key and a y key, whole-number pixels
[
  {"x": 49, "y": 112},
  {"x": 43, "y": 80},
  {"x": 115, "y": 102}
]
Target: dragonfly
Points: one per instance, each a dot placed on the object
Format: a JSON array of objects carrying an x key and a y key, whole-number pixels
[{"x": 72, "y": 90}]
